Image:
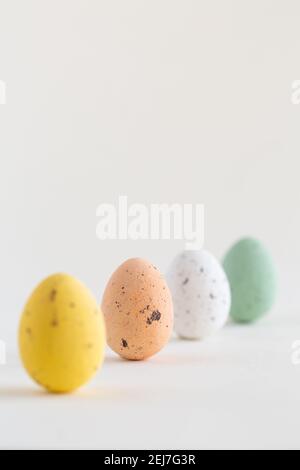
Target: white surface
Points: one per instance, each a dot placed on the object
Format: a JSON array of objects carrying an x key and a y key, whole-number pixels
[
  {"x": 166, "y": 101},
  {"x": 163, "y": 100},
  {"x": 238, "y": 390}
]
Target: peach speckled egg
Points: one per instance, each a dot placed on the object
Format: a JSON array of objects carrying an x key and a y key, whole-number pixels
[{"x": 138, "y": 310}]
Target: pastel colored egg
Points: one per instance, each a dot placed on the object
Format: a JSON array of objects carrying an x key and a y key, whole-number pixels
[
  {"x": 201, "y": 294},
  {"x": 62, "y": 334},
  {"x": 138, "y": 310},
  {"x": 253, "y": 279}
]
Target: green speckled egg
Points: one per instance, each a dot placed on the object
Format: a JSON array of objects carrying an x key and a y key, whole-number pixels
[{"x": 252, "y": 276}]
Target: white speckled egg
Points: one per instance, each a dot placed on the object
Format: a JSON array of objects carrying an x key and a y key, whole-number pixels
[{"x": 201, "y": 294}]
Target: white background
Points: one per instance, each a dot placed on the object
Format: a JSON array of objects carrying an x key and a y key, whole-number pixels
[{"x": 164, "y": 101}]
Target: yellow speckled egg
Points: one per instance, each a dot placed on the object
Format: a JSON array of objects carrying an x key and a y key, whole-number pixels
[
  {"x": 62, "y": 334},
  {"x": 138, "y": 310}
]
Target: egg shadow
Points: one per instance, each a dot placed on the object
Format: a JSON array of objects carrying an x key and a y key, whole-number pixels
[
  {"x": 21, "y": 393},
  {"x": 115, "y": 360},
  {"x": 91, "y": 393},
  {"x": 167, "y": 358}
]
